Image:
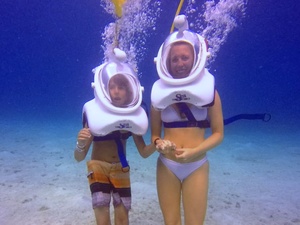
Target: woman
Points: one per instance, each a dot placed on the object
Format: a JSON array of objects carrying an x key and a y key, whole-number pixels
[{"x": 182, "y": 167}]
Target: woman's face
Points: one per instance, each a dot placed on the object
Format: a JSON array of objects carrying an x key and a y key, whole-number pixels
[
  {"x": 181, "y": 60},
  {"x": 118, "y": 93}
]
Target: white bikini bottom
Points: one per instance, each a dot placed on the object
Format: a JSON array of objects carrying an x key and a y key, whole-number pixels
[{"x": 182, "y": 170}]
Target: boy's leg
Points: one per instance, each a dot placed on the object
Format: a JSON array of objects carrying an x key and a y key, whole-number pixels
[
  {"x": 122, "y": 205},
  {"x": 101, "y": 190},
  {"x": 102, "y": 215},
  {"x": 121, "y": 215},
  {"x": 121, "y": 194}
]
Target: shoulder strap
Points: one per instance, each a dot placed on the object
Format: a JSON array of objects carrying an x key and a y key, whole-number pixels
[
  {"x": 183, "y": 108},
  {"x": 192, "y": 122}
]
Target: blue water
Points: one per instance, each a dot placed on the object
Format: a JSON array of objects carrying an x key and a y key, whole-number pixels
[{"x": 48, "y": 50}]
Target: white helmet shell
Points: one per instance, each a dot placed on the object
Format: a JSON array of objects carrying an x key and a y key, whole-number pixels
[
  {"x": 182, "y": 35},
  {"x": 116, "y": 67}
]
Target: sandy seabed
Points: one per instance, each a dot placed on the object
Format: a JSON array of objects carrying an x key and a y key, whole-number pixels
[{"x": 254, "y": 176}]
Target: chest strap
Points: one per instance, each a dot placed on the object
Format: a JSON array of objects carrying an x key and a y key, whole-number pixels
[
  {"x": 192, "y": 122},
  {"x": 182, "y": 124},
  {"x": 113, "y": 135}
]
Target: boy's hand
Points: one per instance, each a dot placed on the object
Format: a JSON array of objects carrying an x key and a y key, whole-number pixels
[{"x": 83, "y": 137}]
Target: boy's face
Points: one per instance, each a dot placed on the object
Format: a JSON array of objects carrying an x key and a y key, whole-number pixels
[{"x": 118, "y": 93}]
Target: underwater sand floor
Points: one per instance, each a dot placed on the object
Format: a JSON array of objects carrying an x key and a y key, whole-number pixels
[{"x": 254, "y": 176}]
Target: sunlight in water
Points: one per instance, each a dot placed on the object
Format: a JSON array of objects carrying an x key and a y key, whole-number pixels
[{"x": 212, "y": 19}]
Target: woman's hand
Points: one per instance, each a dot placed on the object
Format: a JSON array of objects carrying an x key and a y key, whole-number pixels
[
  {"x": 184, "y": 154},
  {"x": 165, "y": 146}
]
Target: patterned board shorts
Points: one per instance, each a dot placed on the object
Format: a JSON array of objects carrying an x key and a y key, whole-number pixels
[{"x": 107, "y": 180}]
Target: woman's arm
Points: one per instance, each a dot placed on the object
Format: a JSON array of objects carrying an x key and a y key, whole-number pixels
[
  {"x": 217, "y": 126},
  {"x": 155, "y": 124},
  {"x": 163, "y": 146}
]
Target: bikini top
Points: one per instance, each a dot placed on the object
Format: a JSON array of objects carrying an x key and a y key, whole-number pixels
[
  {"x": 194, "y": 117},
  {"x": 169, "y": 114}
]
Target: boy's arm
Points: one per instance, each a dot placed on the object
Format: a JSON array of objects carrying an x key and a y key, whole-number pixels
[
  {"x": 144, "y": 150},
  {"x": 84, "y": 141}
]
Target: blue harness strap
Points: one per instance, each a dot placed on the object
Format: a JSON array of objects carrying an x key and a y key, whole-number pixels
[
  {"x": 112, "y": 136},
  {"x": 125, "y": 166},
  {"x": 192, "y": 122},
  {"x": 263, "y": 116},
  {"x": 183, "y": 108},
  {"x": 117, "y": 136},
  {"x": 181, "y": 124}
]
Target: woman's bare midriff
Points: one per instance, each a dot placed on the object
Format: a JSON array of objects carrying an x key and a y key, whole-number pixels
[
  {"x": 106, "y": 151},
  {"x": 188, "y": 137}
]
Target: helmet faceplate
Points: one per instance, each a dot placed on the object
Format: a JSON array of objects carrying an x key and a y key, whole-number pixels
[
  {"x": 117, "y": 69},
  {"x": 200, "y": 55}
]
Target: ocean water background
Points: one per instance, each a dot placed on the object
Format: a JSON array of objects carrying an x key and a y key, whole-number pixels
[{"x": 48, "y": 50}]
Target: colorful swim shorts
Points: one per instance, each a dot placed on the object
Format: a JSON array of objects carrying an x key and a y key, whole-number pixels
[{"x": 108, "y": 180}]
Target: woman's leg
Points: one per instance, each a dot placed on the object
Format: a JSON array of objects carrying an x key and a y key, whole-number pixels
[
  {"x": 194, "y": 196},
  {"x": 169, "y": 194},
  {"x": 102, "y": 215}
]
